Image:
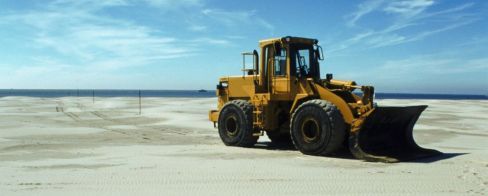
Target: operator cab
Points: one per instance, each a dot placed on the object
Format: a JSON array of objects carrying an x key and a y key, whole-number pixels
[
  {"x": 285, "y": 61},
  {"x": 303, "y": 54}
]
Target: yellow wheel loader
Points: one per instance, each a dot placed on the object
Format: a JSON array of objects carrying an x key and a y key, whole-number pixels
[{"x": 283, "y": 95}]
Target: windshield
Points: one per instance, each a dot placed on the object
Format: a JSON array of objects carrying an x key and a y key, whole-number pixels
[{"x": 304, "y": 63}]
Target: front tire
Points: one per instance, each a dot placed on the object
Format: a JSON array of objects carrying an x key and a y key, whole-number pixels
[
  {"x": 235, "y": 124},
  {"x": 317, "y": 128}
]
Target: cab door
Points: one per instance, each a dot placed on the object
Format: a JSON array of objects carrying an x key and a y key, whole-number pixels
[{"x": 280, "y": 82}]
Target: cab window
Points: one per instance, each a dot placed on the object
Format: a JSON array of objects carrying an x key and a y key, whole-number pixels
[
  {"x": 280, "y": 64},
  {"x": 302, "y": 61}
]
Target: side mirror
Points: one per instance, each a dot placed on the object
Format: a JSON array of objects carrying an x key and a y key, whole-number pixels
[
  {"x": 328, "y": 76},
  {"x": 319, "y": 52}
]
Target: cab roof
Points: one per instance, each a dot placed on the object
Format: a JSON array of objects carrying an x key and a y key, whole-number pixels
[{"x": 288, "y": 39}]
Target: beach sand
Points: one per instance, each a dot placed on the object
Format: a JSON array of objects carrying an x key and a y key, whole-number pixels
[{"x": 72, "y": 146}]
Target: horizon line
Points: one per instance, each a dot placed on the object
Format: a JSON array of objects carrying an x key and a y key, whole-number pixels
[{"x": 120, "y": 89}]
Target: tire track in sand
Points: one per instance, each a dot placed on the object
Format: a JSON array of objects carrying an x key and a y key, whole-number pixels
[{"x": 141, "y": 131}]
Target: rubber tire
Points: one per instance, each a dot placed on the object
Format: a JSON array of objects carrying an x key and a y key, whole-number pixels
[
  {"x": 329, "y": 123},
  {"x": 241, "y": 112}
]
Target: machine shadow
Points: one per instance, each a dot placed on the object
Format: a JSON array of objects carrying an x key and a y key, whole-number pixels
[
  {"x": 345, "y": 154},
  {"x": 274, "y": 146},
  {"x": 436, "y": 158},
  {"x": 341, "y": 154}
]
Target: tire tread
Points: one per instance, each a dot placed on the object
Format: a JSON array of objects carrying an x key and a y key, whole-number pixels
[
  {"x": 247, "y": 139},
  {"x": 336, "y": 123}
]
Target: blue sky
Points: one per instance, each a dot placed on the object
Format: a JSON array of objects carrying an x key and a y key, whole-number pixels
[{"x": 419, "y": 46}]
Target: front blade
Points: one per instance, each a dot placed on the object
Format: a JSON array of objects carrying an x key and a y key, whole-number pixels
[{"x": 387, "y": 136}]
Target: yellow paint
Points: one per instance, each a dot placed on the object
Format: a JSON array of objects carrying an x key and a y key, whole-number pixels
[{"x": 286, "y": 92}]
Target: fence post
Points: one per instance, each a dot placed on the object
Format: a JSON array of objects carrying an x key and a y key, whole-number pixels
[{"x": 139, "y": 102}]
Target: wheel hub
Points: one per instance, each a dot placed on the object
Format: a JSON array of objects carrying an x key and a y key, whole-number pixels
[
  {"x": 231, "y": 125},
  {"x": 310, "y": 130}
]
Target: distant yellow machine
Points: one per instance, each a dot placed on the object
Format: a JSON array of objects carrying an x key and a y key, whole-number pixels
[{"x": 284, "y": 96}]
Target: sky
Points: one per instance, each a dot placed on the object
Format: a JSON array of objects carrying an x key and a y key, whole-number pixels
[{"x": 406, "y": 46}]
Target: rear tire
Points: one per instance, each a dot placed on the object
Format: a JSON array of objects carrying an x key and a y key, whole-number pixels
[
  {"x": 235, "y": 124},
  {"x": 317, "y": 128}
]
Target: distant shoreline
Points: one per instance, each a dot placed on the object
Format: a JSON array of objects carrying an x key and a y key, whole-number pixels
[{"x": 54, "y": 93}]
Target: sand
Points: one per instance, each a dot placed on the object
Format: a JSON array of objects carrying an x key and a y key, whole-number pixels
[{"x": 72, "y": 146}]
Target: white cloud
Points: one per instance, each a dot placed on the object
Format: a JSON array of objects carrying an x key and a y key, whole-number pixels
[
  {"x": 408, "y": 8},
  {"x": 77, "y": 31},
  {"x": 237, "y": 18},
  {"x": 438, "y": 64},
  {"x": 198, "y": 28},
  {"x": 96, "y": 4},
  {"x": 213, "y": 41},
  {"x": 349, "y": 42},
  {"x": 410, "y": 13},
  {"x": 173, "y": 3},
  {"x": 363, "y": 9},
  {"x": 443, "y": 72},
  {"x": 385, "y": 40}
]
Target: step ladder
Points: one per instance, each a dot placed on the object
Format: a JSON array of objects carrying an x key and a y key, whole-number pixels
[
  {"x": 258, "y": 116},
  {"x": 258, "y": 119}
]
